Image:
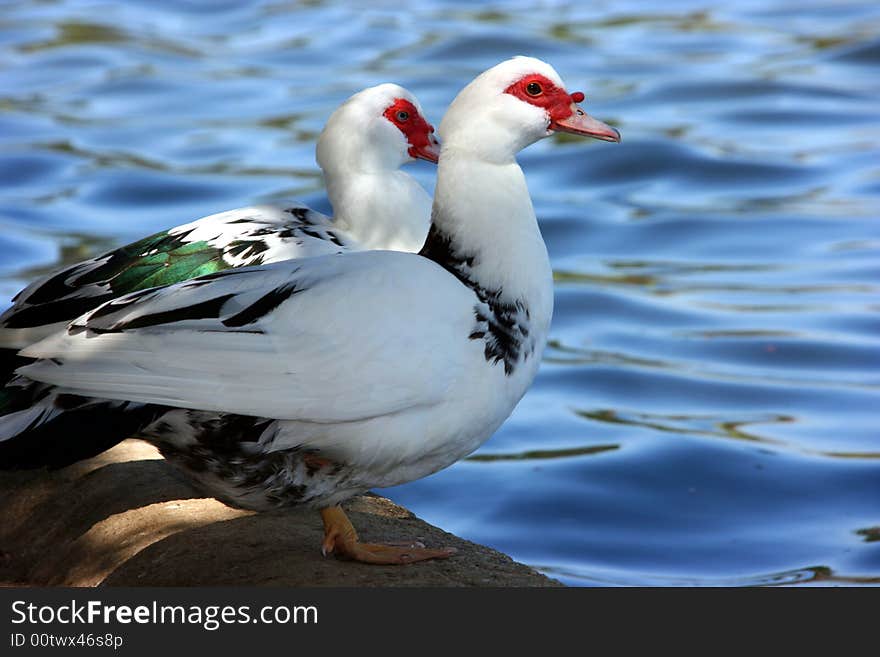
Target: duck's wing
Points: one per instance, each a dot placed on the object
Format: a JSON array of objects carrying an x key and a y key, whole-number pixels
[
  {"x": 237, "y": 238},
  {"x": 326, "y": 339}
]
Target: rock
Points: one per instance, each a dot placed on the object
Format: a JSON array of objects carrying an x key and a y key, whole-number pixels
[{"x": 125, "y": 518}]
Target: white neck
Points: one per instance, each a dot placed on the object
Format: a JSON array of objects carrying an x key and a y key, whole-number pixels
[
  {"x": 385, "y": 209},
  {"x": 483, "y": 211}
]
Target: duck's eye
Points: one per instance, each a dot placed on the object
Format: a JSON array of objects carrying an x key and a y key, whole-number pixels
[
  {"x": 534, "y": 89},
  {"x": 402, "y": 116}
]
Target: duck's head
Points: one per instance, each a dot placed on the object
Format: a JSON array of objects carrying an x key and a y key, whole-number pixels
[
  {"x": 379, "y": 128},
  {"x": 512, "y": 105}
]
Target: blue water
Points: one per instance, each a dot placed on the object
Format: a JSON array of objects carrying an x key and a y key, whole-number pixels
[{"x": 707, "y": 412}]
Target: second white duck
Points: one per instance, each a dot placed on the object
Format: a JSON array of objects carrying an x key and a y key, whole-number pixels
[{"x": 361, "y": 150}]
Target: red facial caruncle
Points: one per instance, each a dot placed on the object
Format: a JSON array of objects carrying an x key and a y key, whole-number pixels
[
  {"x": 418, "y": 132},
  {"x": 563, "y": 114},
  {"x": 540, "y": 91}
]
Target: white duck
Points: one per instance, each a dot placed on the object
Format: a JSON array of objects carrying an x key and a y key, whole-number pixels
[
  {"x": 375, "y": 204},
  {"x": 311, "y": 381}
]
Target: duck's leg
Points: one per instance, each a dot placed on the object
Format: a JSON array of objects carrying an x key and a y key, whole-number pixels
[{"x": 341, "y": 538}]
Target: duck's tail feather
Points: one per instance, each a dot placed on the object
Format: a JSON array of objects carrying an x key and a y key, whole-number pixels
[
  {"x": 9, "y": 362},
  {"x": 41, "y": 426}
]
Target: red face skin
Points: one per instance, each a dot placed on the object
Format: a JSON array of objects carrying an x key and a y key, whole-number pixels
[
  {"x": 418, "y": 132},
  {"x": 563, "y": 113},
  {"x": 556, "y": 101}
]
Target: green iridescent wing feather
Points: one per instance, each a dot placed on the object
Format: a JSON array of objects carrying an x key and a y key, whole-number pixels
[
  {"x": 159, "y": 259},
  {"x": 156, "y": 260}
]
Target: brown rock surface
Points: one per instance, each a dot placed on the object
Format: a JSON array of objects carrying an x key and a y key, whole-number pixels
[{"x": 124, "y": 518}]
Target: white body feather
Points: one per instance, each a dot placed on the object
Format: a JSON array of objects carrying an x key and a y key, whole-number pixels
[{"x": 361, "y": 364}]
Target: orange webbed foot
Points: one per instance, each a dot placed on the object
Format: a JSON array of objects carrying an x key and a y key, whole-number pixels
[{"x": 340, "y": 538}]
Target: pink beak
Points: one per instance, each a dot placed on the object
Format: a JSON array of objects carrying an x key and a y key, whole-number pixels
[
  {"x": 429, "y": 151},
  {"x": 581, "y": 123}
]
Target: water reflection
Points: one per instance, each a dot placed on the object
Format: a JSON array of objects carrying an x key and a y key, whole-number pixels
[
  {"x": 812, "y": 575},
  {"x": 119, "y": 159},
  {"x": 689, "y": 425},
  {"x": 70, "y": 33},
  {"x": 869, "y": 534},
  {"x": 754, "y": 369},
  {"x": 540, "y": 454}
]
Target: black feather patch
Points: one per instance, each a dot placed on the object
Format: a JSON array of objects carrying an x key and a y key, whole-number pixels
[
  {"x": 53, "y": 289},
  {"x": 220, "y": 451},
  {"x": 209, "y": 309},
  {"x": 302, "y": 214},
  {"x": 70, "y": 429},
  {"x": 505, "y": 331},
  {"x": 438, "y": 247},
  {"x": 263, "y": 306},
  {"x": 246, "y": 248},
  {"x": 53, "y": 312},
  {"x": 280, "y": 233},
  {"x": 118, "y": 305},
  {"x": 502, "y": 324}
]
